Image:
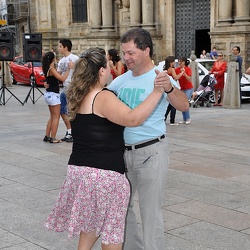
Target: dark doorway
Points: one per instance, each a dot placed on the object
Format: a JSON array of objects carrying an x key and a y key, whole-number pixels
[
  {"x": 192, "y": 22},
  {"x": 202, "y": 42}
]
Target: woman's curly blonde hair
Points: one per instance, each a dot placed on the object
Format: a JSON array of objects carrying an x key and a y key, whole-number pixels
[{"x": 85, "y": 76}]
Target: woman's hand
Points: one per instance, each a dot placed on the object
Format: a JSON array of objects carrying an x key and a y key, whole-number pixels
[
  {"x": 70, "y": 65},
  {"x": 46, "y": 85},
  {"x": 111, "y": 64}
]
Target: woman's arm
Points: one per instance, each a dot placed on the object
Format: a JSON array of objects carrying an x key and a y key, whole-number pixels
[
  {"x": 185, "y": 71},
  {"x": 212, "y": 70},
  {"x": 118, "y": 112},
  {"x": 119, "y": 69},
  {"x": 173, "y": 73},
  {"x": 177, "y": 75},
  {"x": 58, "y": 76}
]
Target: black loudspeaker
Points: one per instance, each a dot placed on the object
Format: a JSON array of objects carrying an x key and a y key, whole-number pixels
[
  {"x": 32, "y": 47},
  {"x": 6, "y": 46}
]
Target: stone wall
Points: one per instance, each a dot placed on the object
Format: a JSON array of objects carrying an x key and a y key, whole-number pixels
[
  {"x": 230, "y": 26},
  {"x": 53, "y": 18}
]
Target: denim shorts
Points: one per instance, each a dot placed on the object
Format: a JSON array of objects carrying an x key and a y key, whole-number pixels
[
  {"x": 52, "y": 98},
  {"x": 64, "y": 105}
]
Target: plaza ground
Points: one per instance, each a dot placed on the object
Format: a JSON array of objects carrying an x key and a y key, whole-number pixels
[{"x": 206, "y": 197}]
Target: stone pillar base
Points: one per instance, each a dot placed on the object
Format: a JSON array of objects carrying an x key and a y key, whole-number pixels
[
  {"x": 103, "y": 35},
  {"x": 95, "y": 29},
  {"x": 135, "y": 25},
  {"x": 148, "y": 26},
  {"x": 195, "y": 74},
  {"x": 107, "y": 28},
  {"x": 232, "y": 89}
]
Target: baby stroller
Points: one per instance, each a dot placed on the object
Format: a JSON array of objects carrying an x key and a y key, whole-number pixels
[{"x": 204, "y": 95}]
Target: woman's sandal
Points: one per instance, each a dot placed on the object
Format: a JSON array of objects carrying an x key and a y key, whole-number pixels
[
  {"x": 46, "y": 138},
  {"x": 54, "y": 140}
]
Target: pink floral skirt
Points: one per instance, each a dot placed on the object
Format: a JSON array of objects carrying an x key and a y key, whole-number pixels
[{"x": 90, "y": 200}]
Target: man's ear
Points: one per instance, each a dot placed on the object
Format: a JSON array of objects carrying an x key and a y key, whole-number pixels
[{"x": 147, "y": 51}]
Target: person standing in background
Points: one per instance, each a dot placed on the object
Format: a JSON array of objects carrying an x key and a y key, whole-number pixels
[
  {"x": 169, "y": 68},
  {"x": 43, "y": 52},
  {"x": 184, "y": 76},
  {"x": 203, "y": 54},
  {"x": 239, "y": 60},
  {"x": 116, "y": 65},
  {"x": 219, "y": 68},
  {"x": 64, "y": 48},
  {"x": 54, "y": 51},
  {"x": 213, "y": 54},
  {"x": 248, "y": 71}
]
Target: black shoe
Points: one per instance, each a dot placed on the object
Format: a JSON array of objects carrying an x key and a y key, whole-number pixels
[
  {"x": 68, "y": 137},
  {"x": 46, "y": 138},
  {"x": 64, "y": 138}
]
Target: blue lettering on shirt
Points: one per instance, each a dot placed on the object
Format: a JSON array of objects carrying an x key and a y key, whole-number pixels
[{"x": 131, "y": 97}]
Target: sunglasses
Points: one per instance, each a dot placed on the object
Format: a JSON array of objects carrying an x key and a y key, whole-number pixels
[{"x": 219, "y": 55}]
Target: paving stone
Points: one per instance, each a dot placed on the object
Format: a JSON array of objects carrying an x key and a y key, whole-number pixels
[
  {"x": 216, "y": 215},
  {"x": 213, "y": 236},
  {"x": 8, "y": 239}
]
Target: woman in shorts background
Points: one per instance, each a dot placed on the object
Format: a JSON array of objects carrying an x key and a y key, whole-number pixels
[
  {"x": 52, "y": 95},
  {"x": 94, "y": 198}
]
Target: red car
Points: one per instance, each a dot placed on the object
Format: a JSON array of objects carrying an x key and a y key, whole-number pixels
[{"x": 23, "y": 72}]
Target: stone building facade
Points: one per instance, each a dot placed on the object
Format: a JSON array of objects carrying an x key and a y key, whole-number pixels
[{"x": 177, "y": 26}]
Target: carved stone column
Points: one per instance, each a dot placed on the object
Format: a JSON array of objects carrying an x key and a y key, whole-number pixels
[
  {"x": 135, "y": 13},
  {"x": 95, "y": 15},
  {"x": 107, "y": 15},
  {"x": 148, "y": 14},
  {"x": 232, "y": 87},
  {"x": 225, "y": 12},
  {"x": 242, "y": 11},
  {"x": 195, "y": 72}
]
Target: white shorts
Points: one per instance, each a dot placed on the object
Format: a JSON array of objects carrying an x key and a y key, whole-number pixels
[{"x": 52, "y": 98}]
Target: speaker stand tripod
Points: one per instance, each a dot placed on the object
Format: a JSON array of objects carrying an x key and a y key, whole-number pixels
[
  {"x": 32, "y": 89},
  {"x": 4, "y": 88}
]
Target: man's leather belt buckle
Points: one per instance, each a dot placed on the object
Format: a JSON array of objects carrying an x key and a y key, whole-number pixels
[{"x": 145, "y": 144}]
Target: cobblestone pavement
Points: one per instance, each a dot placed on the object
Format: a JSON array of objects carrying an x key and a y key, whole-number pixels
[{"x": 207, "y": 193}]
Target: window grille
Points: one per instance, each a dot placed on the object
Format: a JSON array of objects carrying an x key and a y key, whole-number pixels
[{"x": 79, "y": 11}]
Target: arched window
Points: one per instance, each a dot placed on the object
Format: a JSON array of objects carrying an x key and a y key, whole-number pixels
[{"x": 79, "y": 11}]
